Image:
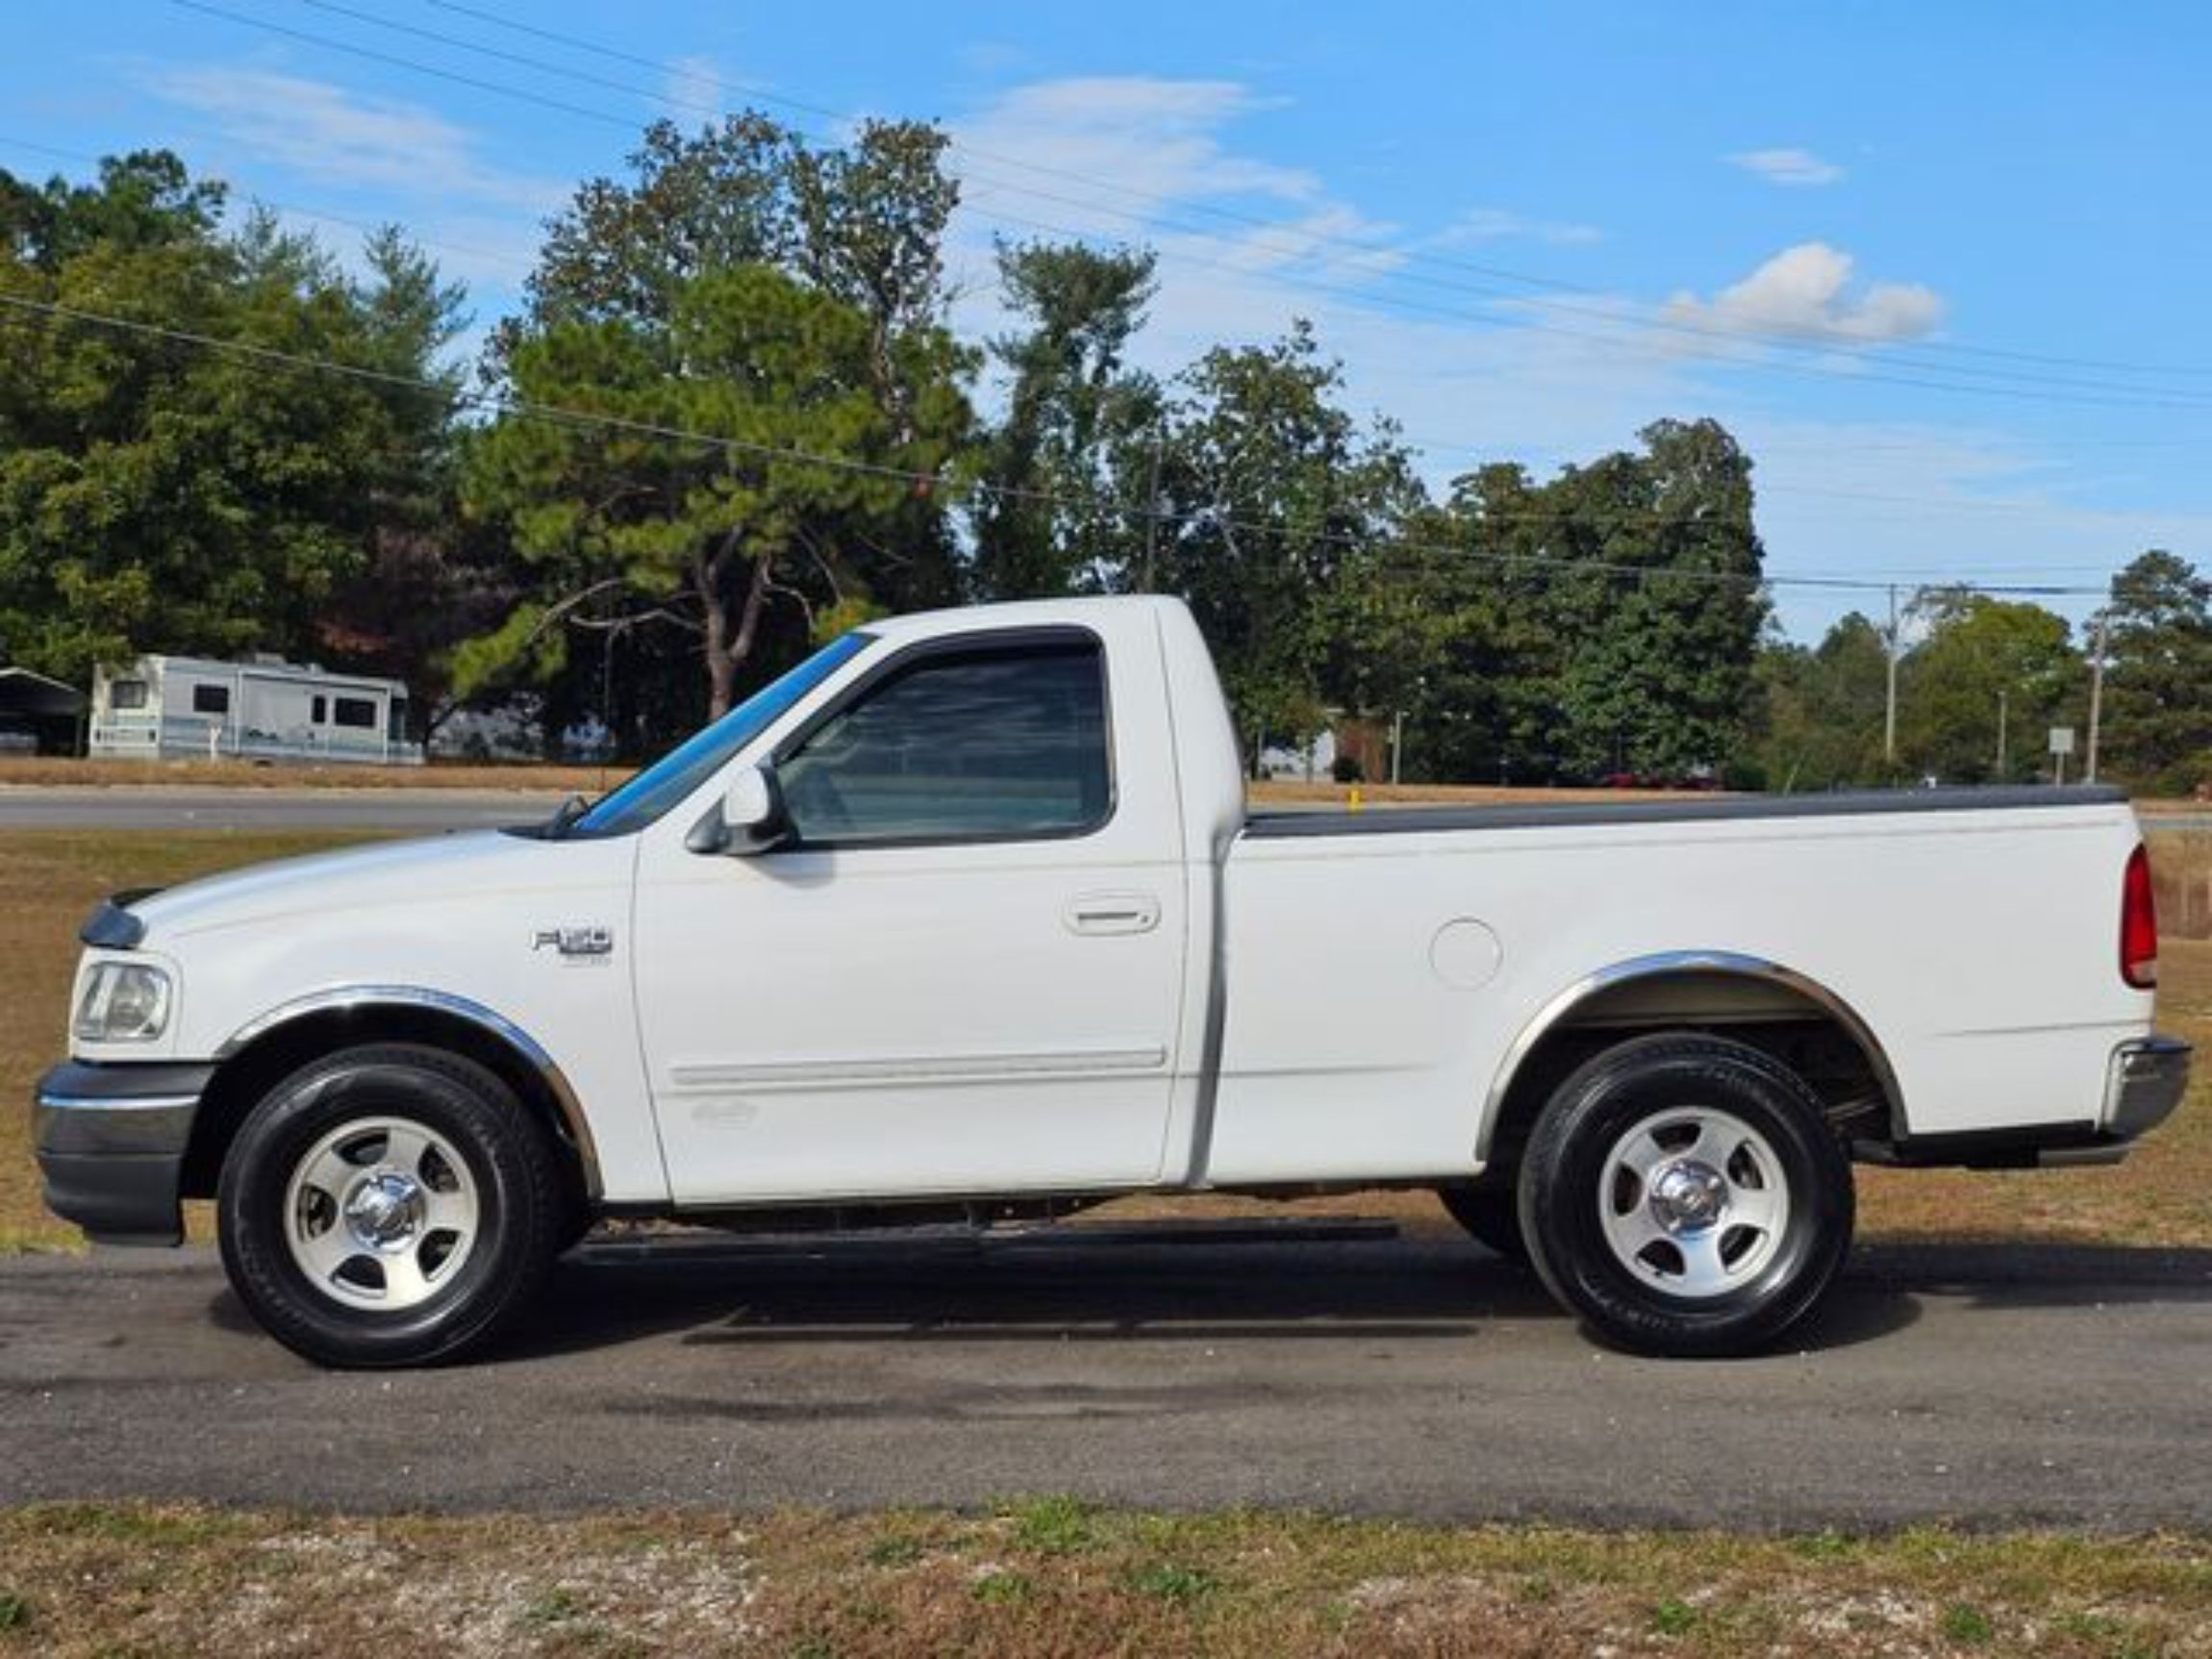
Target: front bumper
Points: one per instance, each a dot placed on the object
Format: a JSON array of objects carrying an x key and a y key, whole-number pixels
[{"x": 110, "y": 1142}]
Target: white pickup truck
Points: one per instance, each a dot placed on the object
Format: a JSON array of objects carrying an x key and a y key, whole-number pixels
[{"x": 965, "y": 914}]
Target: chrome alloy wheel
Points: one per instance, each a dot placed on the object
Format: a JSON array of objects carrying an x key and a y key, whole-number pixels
[
  {"x": 381, "y": 1213},
  {"x": 1694, "y": 1202}
]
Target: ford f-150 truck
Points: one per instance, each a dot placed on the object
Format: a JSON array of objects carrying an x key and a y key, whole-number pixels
[{"x": 965, "y": 915}]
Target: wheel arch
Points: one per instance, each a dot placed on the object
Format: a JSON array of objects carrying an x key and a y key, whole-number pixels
[
  {"x": 275, "y": 1043},
  {"x": 1727, "y": 993}
]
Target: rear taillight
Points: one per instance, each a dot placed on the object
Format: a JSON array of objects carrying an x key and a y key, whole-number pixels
[{"x": 2138, "y": 924}]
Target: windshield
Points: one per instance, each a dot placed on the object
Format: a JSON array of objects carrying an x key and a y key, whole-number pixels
[{"x": 688, "y": 764}]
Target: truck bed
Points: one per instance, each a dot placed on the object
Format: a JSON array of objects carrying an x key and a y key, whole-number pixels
[{"x": 1280, "y": 824}]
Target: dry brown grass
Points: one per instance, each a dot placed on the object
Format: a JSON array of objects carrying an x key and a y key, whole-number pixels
[
  {"x": 1047, "y": 1576},
  {"x": 2181, "y": 873},
  {"x": 49, "y": 878}
]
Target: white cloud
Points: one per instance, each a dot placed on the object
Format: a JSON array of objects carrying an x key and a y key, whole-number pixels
[
  {"x": 1788, "y": 167},
  {"x": 1474, "y": 379},
  {"x": 328, "y": 133},
  {"x": 1807, "y": 293},
  {"x": 1500, "y": 224},
  {"x": 1038, "y": 149}
]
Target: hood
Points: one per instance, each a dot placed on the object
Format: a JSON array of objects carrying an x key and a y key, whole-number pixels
[{"x": 477, "y": 862}]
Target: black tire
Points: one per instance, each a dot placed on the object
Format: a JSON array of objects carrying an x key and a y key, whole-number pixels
[
  {"x": 520, "y": 1212},
  {"x": 1568, "y": 1177},
  {"x": 1491, "y": 1215}
]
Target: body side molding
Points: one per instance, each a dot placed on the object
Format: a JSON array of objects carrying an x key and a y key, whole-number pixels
[
  {"x": 1720, "y": 963},
  {"x": 347, "y": 999}
]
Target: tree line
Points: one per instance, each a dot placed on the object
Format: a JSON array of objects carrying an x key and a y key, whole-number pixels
[{"x": 731, "y": 418}]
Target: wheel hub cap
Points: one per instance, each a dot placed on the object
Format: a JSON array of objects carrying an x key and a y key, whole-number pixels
[
  {"x": 1694, "y": 1201},
  {"x": 1688, "y": 1196},
  {"x": 384, "y": 1209}
]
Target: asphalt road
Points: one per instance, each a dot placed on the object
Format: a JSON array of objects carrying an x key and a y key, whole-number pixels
[
  {"x": 162, "y": 807},
  {"x": 1404, "y": 1376}
]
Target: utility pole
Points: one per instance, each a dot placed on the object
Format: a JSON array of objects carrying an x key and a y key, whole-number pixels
[
  {"x": 1397, "y": 742},
  {"x": 2003, "y": 719},
  {"x": 1890, "y": 706},
  {"x": 2096, "y": 699},
  {"x": 1152, "y": 512}
]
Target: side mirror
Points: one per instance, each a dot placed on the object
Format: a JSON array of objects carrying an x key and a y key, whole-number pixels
[{"x": 751, "y": 820}]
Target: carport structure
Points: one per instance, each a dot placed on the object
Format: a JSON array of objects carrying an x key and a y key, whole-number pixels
[{"x": 51, "y": 714}]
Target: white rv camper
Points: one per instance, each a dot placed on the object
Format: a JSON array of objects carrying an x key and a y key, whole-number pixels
[{"x": 186, "y": 708}]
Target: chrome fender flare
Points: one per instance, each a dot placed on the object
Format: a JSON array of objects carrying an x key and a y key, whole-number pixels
[
  {"x": 1720, "y": 963},
  {"x": 526, "y": 1048}
]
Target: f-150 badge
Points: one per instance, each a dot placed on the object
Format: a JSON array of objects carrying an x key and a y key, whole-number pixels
[{"x": 576, "y": 943}]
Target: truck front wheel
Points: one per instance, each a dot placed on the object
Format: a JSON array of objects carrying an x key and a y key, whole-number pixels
[
  {"x": 1685, "y": 1196},
  {"x": 388, "y": 1206}
]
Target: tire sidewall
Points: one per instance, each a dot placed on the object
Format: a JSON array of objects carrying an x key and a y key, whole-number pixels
[
  {"x": 1563, "y": 1181},
  {"x": 477, "y": 1116}
]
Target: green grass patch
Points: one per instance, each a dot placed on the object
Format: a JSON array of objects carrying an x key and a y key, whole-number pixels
[
  {"x": 1169, "y": 1581},
  {"x": 1057, "y": 1525},
  {"x": 1963, "y": 1622}
]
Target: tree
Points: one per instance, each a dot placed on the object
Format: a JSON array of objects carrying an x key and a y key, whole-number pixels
[
  {"x": 161, "y": 494},
  {"x": 1606, "y": 621},
  {"x": 1657, "y": 676},
  {"x": 703, "y": 533},
  {"x": 1824, "y": 708},
  {"x": 623, "y": 249},
  {"x": 1280, "y": 496},
  {"x": 770, "y": 296},
  {"x": 1076, "y": 451},
  {"x": 2157, "y": 715},
  {"x": 144, "y": 200},
  {"x": 1983, "y": 662},
  {"x": 428, "y": 580}
]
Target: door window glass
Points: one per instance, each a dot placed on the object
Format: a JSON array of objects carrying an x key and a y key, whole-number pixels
[{"x": 996, "y": 743}]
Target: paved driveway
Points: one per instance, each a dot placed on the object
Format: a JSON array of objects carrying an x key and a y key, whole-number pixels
[{"x": 1373, "y": 1373}]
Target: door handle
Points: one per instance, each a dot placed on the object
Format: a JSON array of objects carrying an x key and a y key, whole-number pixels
[{"x": 1113, "y": 913}]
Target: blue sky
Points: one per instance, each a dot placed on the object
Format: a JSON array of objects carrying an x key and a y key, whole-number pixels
[{"x": 1940, "y": 266}]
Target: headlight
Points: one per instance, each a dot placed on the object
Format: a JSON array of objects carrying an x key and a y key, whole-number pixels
[{"x": 123, "y": 1002}]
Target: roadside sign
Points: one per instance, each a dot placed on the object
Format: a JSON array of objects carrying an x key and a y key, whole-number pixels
[{"x": 2062, "y": 739}]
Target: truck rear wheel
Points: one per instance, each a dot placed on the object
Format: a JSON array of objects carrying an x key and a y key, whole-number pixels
[
  {"x": 388, "y": 1206},
  {"x": 1685, "y": 1196}
]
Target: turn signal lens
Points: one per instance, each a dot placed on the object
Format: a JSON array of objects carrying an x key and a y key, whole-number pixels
[{"x": 2138, "y": 923}]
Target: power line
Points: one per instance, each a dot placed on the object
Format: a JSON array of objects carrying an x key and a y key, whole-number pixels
[
  {"x": 321, "y": 214},
  {"x": 2120, "y": 393},
  {"x": 1422, "y": 444},
  {"x": 1417, "y": 442},
  {"x": 594, "y": 419},
  {"x": 1827, "y": 343}
]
